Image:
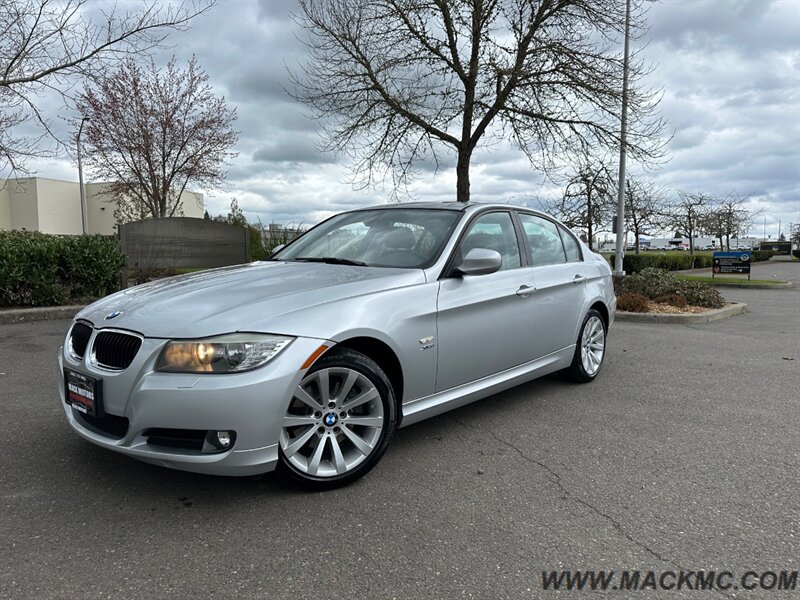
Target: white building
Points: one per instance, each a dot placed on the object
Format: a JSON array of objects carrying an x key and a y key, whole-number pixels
[
  {"x": 702, "y": 243},
  {"x": 54, "y": 206}
]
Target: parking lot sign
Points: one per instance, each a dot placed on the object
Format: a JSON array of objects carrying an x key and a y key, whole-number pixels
[{"x": 731, "y": 262}]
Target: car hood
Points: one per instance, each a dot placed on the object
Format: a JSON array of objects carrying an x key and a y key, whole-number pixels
[{"x": 238, "y": 298}]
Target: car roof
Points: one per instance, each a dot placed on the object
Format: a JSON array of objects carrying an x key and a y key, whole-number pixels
[{"x": 458, "y": 206}]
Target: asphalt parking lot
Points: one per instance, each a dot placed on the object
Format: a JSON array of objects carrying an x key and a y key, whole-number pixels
[{"x": 684, "y": 454}]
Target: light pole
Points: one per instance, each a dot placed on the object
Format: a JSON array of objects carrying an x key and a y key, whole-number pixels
[
  {"x": 84, "y": 216},
  {"x": 618, "y": 267}
]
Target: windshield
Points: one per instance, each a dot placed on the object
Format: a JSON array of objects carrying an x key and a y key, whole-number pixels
[{"x": 403, "y": 237}]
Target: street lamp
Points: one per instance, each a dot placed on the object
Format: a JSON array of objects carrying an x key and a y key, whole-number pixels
[
  {"x": 84, "y": 216},
  {"x": 618, "y": 266}
]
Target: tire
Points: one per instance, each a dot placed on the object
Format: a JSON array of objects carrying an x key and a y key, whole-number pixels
[
  {"x": 328, "y": 441},
  {"x": 589, "y": 349}
]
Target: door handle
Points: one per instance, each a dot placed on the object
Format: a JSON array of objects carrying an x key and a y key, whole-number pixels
[
  {"x": 525, "y": 290},
  {"x": 578, "y": 279}
]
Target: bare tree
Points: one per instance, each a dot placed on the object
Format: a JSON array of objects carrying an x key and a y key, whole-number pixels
[
  {"x": 399, "y": 81},
  {"x": 48, "y": 46},
  {"x": 588, "y": 198},
  {"x": 644, "y": 209},
  {"x": 152, "y": 133},
  {"x": 729, "y": 217},
  {"x": 687, "y": 213}
]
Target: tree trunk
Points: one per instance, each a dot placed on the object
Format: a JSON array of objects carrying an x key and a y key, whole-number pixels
[
  {"x": 462, "y": 175},
  {"x": 589, "y": 216},
  {"x": 590, "y": 232},
  {"x": 636, "y": 240}
]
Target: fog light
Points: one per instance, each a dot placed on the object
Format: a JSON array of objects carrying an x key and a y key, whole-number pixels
[
  {"x": 218, "y": 441},
  {"x": 224, "y": 438}
]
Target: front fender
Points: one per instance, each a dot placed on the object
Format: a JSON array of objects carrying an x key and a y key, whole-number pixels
[{"x": 399, "y": 318}]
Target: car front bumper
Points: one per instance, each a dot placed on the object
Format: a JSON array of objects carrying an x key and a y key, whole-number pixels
[{"x": 251, "y": 404}]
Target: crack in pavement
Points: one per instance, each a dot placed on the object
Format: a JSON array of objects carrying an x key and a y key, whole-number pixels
[{"x": 566, "y": 495}]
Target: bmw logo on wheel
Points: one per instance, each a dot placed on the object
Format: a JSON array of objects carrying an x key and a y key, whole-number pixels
[{"x": 330, "y": 419}]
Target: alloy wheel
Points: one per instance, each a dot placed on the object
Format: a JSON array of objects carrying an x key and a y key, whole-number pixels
[
  {"x": 333, "y": 423},
  {"x": 593, "y": 344}
]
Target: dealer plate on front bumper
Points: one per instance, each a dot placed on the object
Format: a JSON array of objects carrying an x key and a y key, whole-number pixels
[{"x": 83, "y": 393}]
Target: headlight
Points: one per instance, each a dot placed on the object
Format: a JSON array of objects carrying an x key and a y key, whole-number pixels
[{"x": 225, "y": 354}]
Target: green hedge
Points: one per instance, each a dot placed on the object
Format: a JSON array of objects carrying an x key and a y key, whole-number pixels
[
  {"x": 677, "y": 261},
  {"x": 37, "y": 269},
  {"x": 761, "y": 255},
  {"x": 796, "y": 253}
]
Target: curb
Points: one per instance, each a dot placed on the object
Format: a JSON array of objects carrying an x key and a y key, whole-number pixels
[
  {"x": 706, "y": 317},
  {"x": 755, "y": 286},
  {"x": 47, "y": 313}
]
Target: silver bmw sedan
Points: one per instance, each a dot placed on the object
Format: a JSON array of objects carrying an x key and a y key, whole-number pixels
[{"x": 307, "y": 363}]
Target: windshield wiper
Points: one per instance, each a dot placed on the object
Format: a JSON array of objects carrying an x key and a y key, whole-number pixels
[{"x": 331, "y": 260}]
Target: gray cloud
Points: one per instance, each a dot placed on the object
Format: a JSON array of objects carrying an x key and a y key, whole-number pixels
[
  {"x": 277, "y": 10},
  {"x": 745, "y": 26},
  {"x": 292, "y": 150},
  {"x": 730, "y": 71}
]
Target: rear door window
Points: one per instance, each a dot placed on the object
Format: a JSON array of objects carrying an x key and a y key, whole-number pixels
[{"x": 544, "y": 241}]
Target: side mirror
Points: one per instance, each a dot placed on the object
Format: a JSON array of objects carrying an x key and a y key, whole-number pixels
[
  {"x": 480, "y": 261},
  {"x": 277, "y": 249}
]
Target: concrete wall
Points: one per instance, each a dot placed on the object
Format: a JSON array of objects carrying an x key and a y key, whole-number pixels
[
  {"x": 183, "y": 242},
  {"x": 59, "y": 206},
  {"x": 193, "y": 205},
  {"x": 23, "y": 206},
  {"x": 5, "y": 206},
  {"x": 101, "y": 208}
]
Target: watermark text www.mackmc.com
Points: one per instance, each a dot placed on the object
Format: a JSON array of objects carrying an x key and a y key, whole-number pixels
[{"x": 700, "y": 580}]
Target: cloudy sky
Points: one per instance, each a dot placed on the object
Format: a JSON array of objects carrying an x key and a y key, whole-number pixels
[{"x": 730, "y": 71}]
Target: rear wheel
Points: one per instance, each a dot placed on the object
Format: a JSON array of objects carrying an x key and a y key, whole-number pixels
[
  {"x": 590, "y": 349},
  {"x": 339, "y": 422}
]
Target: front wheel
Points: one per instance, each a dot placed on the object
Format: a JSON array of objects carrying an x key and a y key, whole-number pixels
[
  {"x": 339, "y": 422},
  {"x": 590, "y": 349}
]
